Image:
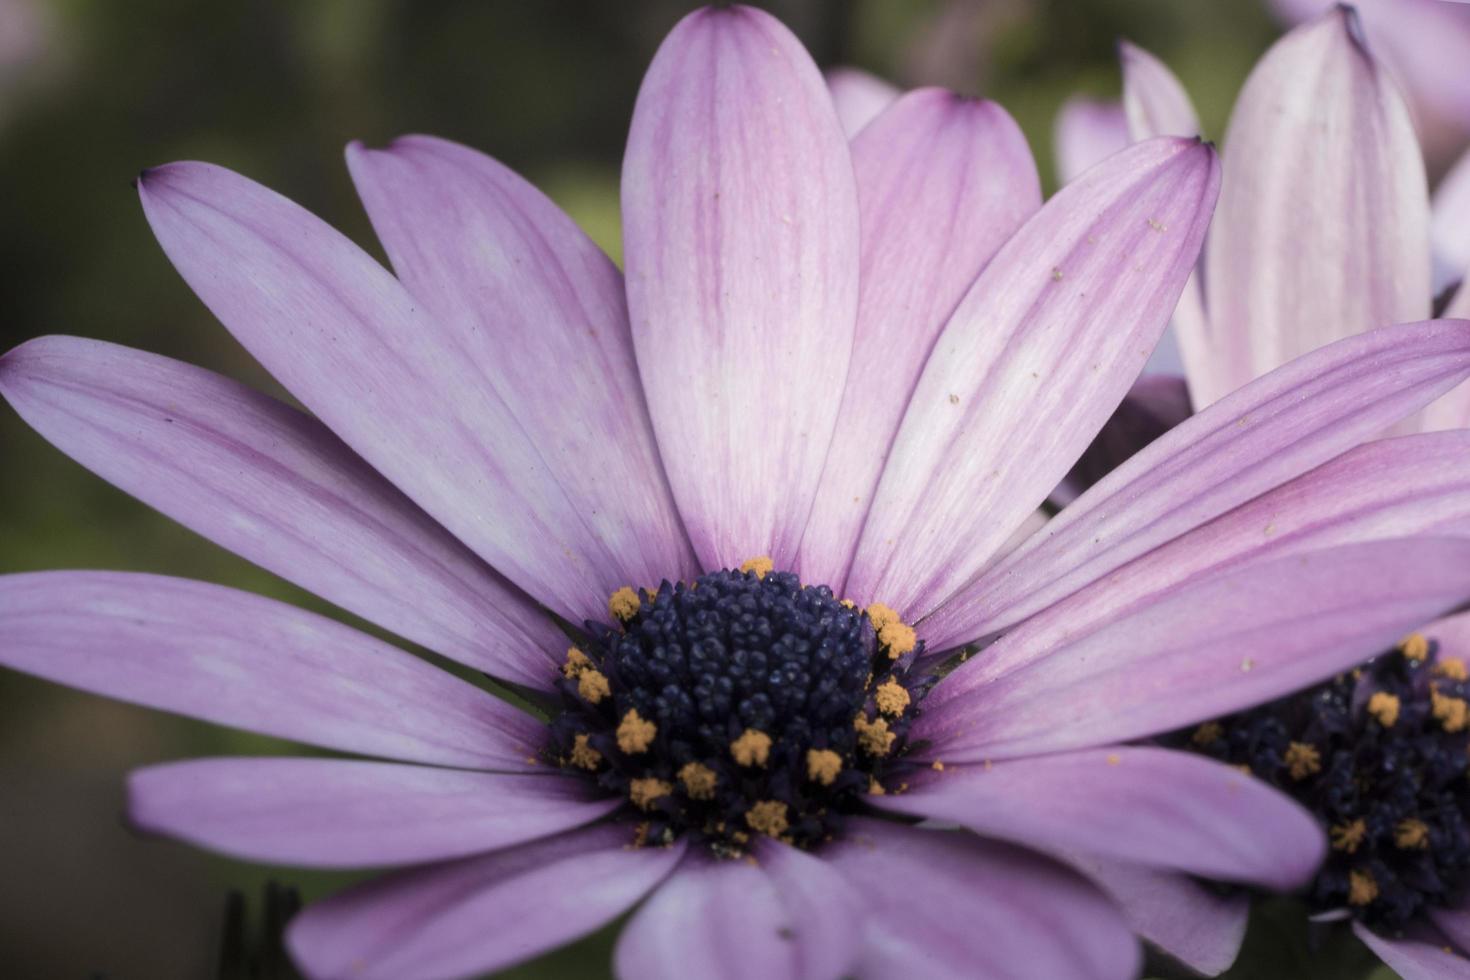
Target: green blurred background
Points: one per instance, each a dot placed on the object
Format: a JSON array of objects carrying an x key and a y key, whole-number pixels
[{"x": 91, "y": 91}]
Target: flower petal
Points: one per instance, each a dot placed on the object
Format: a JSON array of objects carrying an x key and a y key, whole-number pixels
[
  {"x": 541, "y": 312},
  {"x": 1415, "y": 958},
  {"x": 338, "y": 813},
  {"x": 741, "y": 243},
  {"x": 1087, "y": 132},
  {"x": 348, "y": 340},
  {"x": 858, "y": 96},
  {"x": 1257, "y": 439},
  {"x": 1337, "y": 242},
  {"x": 946, "y": 904},
  {"x": 788, "y": 916},
  {"x": 1154, "y": 101},
  {"x": 1155, "y": 404},
  {"x": 1215, "y": 645},
  {"x": 1192, "y": 923},
  {"x": 1039, "y": 353},
  {"x": 1154, "y": 807},
  {"x": 243, "y": 660},
  {"x": 1449, "y": 225},
  {"x": 274, "y": 486},
  {"x": 466, "y": 918},
  {"x": 943, "y": 181}
]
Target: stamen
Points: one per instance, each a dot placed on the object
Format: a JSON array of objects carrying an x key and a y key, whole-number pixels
[
  {"x": 1411, "y": 834},
  {"x": 1452, "y": 668},
  {"x": 1302, "y": 760},
  {"x": 1384, "y": 707},
  {"x": 647, "y": 791},
  {"x": 624, "y": 604},
  {"x": 891, "y": 697},
  {"x": 768, "y": 817},
  {"x": 1207, "y": 733},
  {"x": 576, "y": 663},
  {"x": 584, "y": 756},
  {"x": 1415, "y": 646},
  {"x": 592, "y": 685},
  {"x": 823, "y": 765},
  {"x": 635, "y": 734},
  {"x": 1453, "y": 713},
  {"x": 1362, "y": 887},
  {"x": 752, "y": 748},
  {"x": 699, "y": 781},
  {"x": 1348, "y": 837},
  {"x": 873, "y": 736},
  {"x": 760, "y": 566}
]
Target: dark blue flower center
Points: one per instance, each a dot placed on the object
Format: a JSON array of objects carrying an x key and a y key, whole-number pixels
[
  {"x": 744, "y": 703},
  {"x": 1379, "y": 755}
]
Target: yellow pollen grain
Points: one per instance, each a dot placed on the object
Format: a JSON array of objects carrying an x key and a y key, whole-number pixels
[
  {"x": 760, "y": 566},
  {"x": 875, "y": 788},
  {"x": 937, "y": 766},
  {"x": 1207, "y": 733},
  {"x": 1114, "y": 758},
  {"x": 647, "y": 791},
  {"x": 848, "y": 604},
  {"x": 1411, "y": 835},
  {"x": 583, "y": 755},
  {"x": 699, "y": 781},
  {"x": 898, "y": 638},
  {"x": 624, "y": 604},
  {"x": 880, "y": 615},
  {"x": 767, "y": 817},
  {"x": 577, "y": 662},
  {"x": 1453, "y": 713},
  {"x": 874, "y": 736},
  {"x": 1384, "y": 707},
  {"x": 752, "y": 748},
  {"x": 640, "y": 835},
  {"x": 635, "y": 734},
  {"x": 1348, "y": 837},
  {"x": 1451, "y": 667},
  {"x": 1414, "y": 646},
  {"x": 1302, "y": 760},
  {"x": 822, "y": 766},
  {"x": 891, "y": 697},
  {"x": 1362, "y": 888},
  {"x": 592, "y": 686}
]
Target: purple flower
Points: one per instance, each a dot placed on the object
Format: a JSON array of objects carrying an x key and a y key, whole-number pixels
[{"x": 866, "y": 366}]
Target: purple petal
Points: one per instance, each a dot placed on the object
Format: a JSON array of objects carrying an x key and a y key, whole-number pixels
[
  {"x": 1153, "y": 98},
  {"x": 1454, "y": 923},
  {"x": 1041, "y": 350},
  {"x": 1253, "y": 441},
  {"x": 348, "y": 340},
  {"x": 243, "y": 660},
  {"x": 1154, "y": 405},
  {"x": 783, "y": 915},
  {"x": 1337, "y": 242},
  {"x": 1215, "y": 645},
  {"x": 858, "y": 96},
  {"x": 943, "y": 181},
  {"x": 1449, "y": 225},
  {"x": 1154, "y": 807},
  {"x": 1087, "y": 132},
  {"x": 945, "y": 904},
  {"x": 741, "y": 243},
  {"x": 541, "y": 312},
  {"x": 274, "y": 486},
  {"x": 1192, "y": 923},
  {"x": 336, "y": 813},
  {"x": 470, "y": 917},
  {"x": 1415, "y": 958}
]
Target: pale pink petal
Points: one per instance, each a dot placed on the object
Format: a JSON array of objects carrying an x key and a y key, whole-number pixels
[
  {"x": 1087, "y": 132},
  {"x": 947, "y": 905},
  {"x": 356, "y": 348},
  {"x": 243, "y": 660},
  {"x": 741, "y": 242},
  {"x": 1415, "y": 958},
  {"x": 338, "y": 813},
  {"x": 943, "y": 181},
  {"x": 1259, "y": 438},
  {"x": 859, "y": 96},
  {"x": 1150, "y": 806},
  {"x": 1449, "y": 225},
  {"x": 1333, "y": 243},
  {"x": 471, "y": 917},
  {"x": 1039, "y": 353},
  {"x": 276, "y": 487},
  {"x": 1153, "y": 98},
  {"x": 1213, "y": 646},
  {"x": 540, "y": 312},
  {"x": 1155, "y": 404}
]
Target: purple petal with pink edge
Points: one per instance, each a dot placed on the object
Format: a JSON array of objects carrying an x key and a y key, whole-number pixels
[
  {"x": 1336, "y": 243},
  {"x": 1154, "y": 101},
  {"x": 1210, "y": 647},
  {"x": 466, "y": 918},
  {"x": 858, "y": 96},
  {"x": 740, "y": 232},
  {"x": 946, "y": 904},
  {"x": 1449, "y": 225},
  {"x": 242, "y": 660},
  {"x": 1040, "y": 351},
  {"x": 276, "y": 487},
  {"x": 338, "y": 813},
  {"x": 943, "y": 181},
  {"x": 1258, "y": 438},
  {"x": 356, "y": 348},
  {"x": 1195, "y": 925},
  {"x": 1087, "y": 132},
  {"x": 1154, "y": 405},
  {"x": 784, "y": 915},
  {"x": 541, "y": 312},
  {"x": 1155, "y": 807},
  {"x": 1417, "y": 957}
]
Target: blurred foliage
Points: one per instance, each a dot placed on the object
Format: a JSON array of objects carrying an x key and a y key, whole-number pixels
[{"x": 274, "y": 89}]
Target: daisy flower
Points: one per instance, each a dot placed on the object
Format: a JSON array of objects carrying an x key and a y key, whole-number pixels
[{"x": 735, "y": 522}]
